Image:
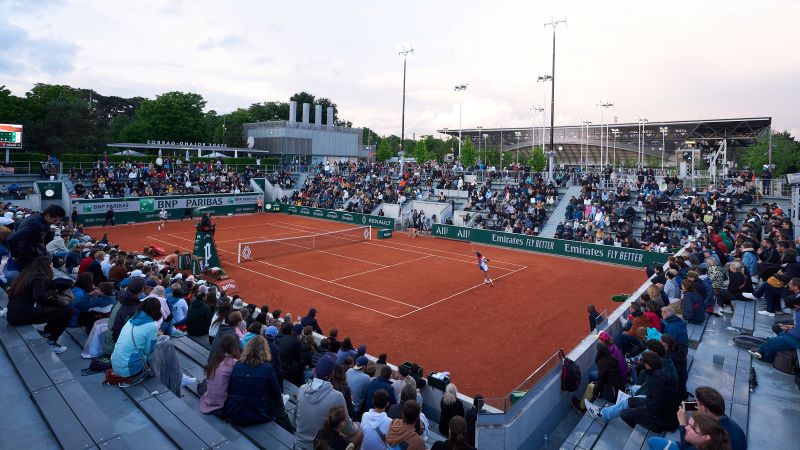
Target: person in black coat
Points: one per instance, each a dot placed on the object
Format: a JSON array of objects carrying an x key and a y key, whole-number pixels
[
  {"x": 609, "y": 380},
  {"x": 253, "y": 393},
  {"x": 270, "y": 333},
  {"x": 472, "y": 417},
  {"x": 678, "y": 358},
  {"x": 29, "y": 302},
  {"x": 656, "y": 411},
  {"x": 310, "y": 320},
  {"x": 29, "y": 240},
  {"x": 290, "y": 352},
  {"x": 109, "y": 218}
]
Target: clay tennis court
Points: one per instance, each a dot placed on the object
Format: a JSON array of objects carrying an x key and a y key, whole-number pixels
[{"x": 420, "y": 300}]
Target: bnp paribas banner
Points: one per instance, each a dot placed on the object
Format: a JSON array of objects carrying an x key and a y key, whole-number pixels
[
  {"x": 142, "y": 209},
  {"x": 575, "y": 249},
  {"x": 340, "y": 216}
]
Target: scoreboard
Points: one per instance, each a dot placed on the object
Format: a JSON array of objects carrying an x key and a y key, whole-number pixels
[{"x": 10, "y": 135}]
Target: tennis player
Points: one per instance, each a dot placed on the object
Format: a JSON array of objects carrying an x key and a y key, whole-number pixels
[
  {"x": 162, "y": 217},
  {"x": 483, "y": 265}
]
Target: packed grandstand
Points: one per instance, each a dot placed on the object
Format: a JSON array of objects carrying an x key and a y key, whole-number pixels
[{"x": 207, "y": 368}]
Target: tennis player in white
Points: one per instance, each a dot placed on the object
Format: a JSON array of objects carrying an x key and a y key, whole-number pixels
[
  {"x": 162, "y": 217},
  {"x": 483, "y": 265}
]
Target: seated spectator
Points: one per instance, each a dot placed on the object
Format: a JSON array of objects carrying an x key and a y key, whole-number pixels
[
  {"x": 656, "y": 411},
  {"x": 701, "y": 432},
  {"x": 253, "y": 331},
  {"x": 30, "y": 301},
  {"x": 224, "y": 308},
  {"x": 177, "y": 305},
  {"x": 322, "y": 350},
  {"x": 339, "y": 381},
  {"x": 678, "y": 358},
  {"x": 330, "y": 437},
  {"x": 230, "y": 326},
  {"x": 335, "y": 345},
  {"x": 291, "y": 355},
  {"x": 626, "y": 340},
  {"x": 788, "y": 339},
  {"x": 402, "y": 432},
  {"x": 375, "y": 423},
  {"x": 692, "y": 305},
  {"x": 456, "y": 438},
  {"x": 314, "y": 400},
  {"x": 357, "y": 380},
  {"x": 94, "y": 305},
  {"x": 198, "y": 317},
  {"x": 127, "y": 304},
  {"x": 254, "y": 394},
  {"x": 382, "y": 381},
  {"x": 738, "y": 284},
  {"x": 346, "y": 350},
  {"x": 450, "y": 406},
  {"x": 218, "y": 374}
]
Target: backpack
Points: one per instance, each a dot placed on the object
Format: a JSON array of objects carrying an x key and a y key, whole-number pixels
[
  {"x": 570, "y": 373},
  {"x": 785, "y": 361}
]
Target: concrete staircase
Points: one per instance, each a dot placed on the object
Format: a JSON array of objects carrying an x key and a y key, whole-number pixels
[{"x": 549, "y": 229}]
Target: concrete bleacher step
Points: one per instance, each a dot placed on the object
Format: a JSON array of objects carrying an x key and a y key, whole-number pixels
[{"x": 71, "y": 414}]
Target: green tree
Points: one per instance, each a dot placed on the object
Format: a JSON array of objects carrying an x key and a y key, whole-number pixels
[
  {"x": 11, "y": 107},
  {"x": 421, "y": 153},
  {"x": 266, "y": 111},
  {"x": 369, "y": 137},
  {"x": 233, "y": 134},
  {"x": 384, "y": 151},
  {"x": 469, "y": 155},
  {"x": 67, "y": 127},
  {"x": 174, "y": 116},
  {"x": 537, "y": 159},
  {"x": 785, "y": 154}
]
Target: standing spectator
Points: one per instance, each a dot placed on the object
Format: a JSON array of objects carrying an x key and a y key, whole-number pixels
[
  {"x": 310, "y": 320},
  {"x": 254, "y": 394},
  {"x": 109, "y": 218},
  {"x": 357, "y": 380},
  {"x": 450, "y": 407},
  {"x": 73, "y": 217},
  {"x": 28, "y": 241},
  {"x": 472, "y": 418},
  {"x": 30, "y": 302},
  {"x": 218, "y": 375},
  {"x": 291, "y": 355},
  {"x": 375, "y": 423},
  {"x": 593, "y": 316}
]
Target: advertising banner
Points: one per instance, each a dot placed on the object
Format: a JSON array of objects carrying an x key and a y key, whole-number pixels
[
  {"x": 340, "y": 216},
  {"x": 604, "y": 253}
]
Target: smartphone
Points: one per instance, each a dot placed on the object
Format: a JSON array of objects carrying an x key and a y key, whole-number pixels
[{"x": 690, "y": 406}]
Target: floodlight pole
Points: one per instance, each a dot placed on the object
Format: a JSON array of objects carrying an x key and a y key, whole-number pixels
[
  {"x": 663, "y": 131},
  {"x": 459, "y": 88},
  {"x": 553, "y": 23},
  {"x": 404, "y": 53}
]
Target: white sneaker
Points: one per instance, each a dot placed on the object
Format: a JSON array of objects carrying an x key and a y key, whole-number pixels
[
  {"x": 186, "y": 380},
  {"x": 787, "y": 310},
  {"x": 767, "y": 313},
  {"x": 56, "y": 348},
  {"x": 749, "y": 295},
  {"x": 593, "y": 411},
  {"x": 726, "y": 310},
  {"x": 755, "y": 279},
  {"x": 3, "y": 312},
  {"x": 755, "y": 354}
]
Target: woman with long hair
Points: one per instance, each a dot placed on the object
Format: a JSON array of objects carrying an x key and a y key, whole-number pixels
[
  {"x": 254, "y": 394},
  {"x": 218, "y": 375},
  {"x": 222, "y": 312},
  {"x": 450, "y": 406},
  {"x": 329, "y": 437},
  {"x": 339, "y": 382},
  {"x": 137, "y": 340},
  {"x": 457, "y": 439},
  {"x": 346, "y": 350},
  {"x": 738, "y": 283},
  {"x": 30, "y": 302}
]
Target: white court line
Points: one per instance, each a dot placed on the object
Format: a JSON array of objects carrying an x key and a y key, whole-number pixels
[
  {"x": 461, "y": 260},
  {"x": 459, "y": 293},
  {"x": 471, "y": 261},
  {"x": 385, "y": 267},
  {"x": 288, "y": 282},
  {"x": 312, "y": 276}
]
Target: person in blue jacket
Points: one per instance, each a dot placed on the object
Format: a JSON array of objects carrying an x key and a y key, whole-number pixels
[
  {"x": 137, "y": 340},
  {"x": 693, "y": 306}
]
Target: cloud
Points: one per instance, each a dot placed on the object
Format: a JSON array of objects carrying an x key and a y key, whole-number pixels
[
  {"x": 23, "y": 52},
  {"x": 227, "y": 42}
]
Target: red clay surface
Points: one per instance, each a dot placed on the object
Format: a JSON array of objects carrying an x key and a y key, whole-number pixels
[{"x": 420, "y": 300}]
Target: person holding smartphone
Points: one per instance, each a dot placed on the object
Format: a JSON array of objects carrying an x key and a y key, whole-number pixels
[{"x": 711, "y": 405}]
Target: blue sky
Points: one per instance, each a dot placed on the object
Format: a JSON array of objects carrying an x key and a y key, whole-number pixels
[{"x": 678, "y": 60}]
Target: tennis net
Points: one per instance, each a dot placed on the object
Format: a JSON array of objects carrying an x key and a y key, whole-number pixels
[{"x": 270, "y": 248}]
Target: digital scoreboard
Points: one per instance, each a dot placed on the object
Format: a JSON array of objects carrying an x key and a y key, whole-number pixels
[{"x": 10, "y": 135}]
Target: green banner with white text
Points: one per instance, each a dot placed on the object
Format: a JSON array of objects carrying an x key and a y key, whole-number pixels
[
  {"x": 340, "y": 216},
  {"x": 595, "y": 252}
]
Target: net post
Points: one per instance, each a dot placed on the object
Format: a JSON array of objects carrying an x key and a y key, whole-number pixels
[
  {"x": 370, "y": 232},
  {"x": 239, "y": 254}
]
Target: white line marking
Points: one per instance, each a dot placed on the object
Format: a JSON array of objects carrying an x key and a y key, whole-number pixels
[
  {"x": 459, "y": 293},
  {"x": 385, "y": 267},
  {"x": 286, "y": 282},
  {"x": 312, "y": 276}
]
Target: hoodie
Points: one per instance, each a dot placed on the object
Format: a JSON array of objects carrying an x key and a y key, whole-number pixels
[
  {"x": 400, "y": 432},
  {"x": 136, "y": 342},
  {"x": 370, "y": 422},
  {"x": 314, "y": 399}
]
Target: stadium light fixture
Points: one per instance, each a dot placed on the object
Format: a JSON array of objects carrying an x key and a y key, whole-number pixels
[
  {"x": 615, "y": 132},
  {"x": 663, "y": 131},
  {"x": 517, "y": 134},
  {"x": 605, "y": 104},
  {"x": 459, "y": 88},
  {"x": 404, "y": 51}
]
